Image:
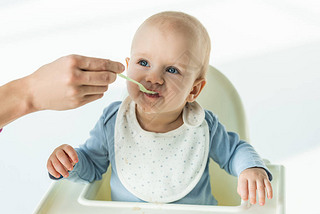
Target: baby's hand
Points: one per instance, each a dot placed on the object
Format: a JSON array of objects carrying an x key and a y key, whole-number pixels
[
  {"x": 62, "y": 159},
  {"x": 253, "y": 179}
]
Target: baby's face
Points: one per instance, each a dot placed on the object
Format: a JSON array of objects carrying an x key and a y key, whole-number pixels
[{"x": 164, "y": 61}]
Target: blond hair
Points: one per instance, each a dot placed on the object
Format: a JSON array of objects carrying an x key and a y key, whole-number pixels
[{"x": 183, "y": 21}]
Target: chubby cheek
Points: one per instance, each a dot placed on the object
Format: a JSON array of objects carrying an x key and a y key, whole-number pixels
[
  {"x": 174, "y": 100},
  {"x": 176, "y": 92},
  {"x": 133, "y": 90}
]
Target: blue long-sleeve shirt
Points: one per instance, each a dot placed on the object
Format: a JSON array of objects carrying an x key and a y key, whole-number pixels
[{"x": 226, "y": 149}]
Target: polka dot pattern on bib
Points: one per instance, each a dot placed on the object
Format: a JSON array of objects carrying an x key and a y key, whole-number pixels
[{"x": 159, "y": 167}]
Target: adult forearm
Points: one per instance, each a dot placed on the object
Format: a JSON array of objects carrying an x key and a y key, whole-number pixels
[{"x": 14, "y": 101}]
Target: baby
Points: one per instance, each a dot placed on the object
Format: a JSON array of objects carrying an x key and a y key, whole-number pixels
[{"x": 159, "y": 145}]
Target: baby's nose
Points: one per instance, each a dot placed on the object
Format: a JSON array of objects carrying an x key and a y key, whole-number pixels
[{"x": 155, "y": 76}]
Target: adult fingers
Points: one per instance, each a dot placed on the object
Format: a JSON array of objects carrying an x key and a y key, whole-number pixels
[
  {"x": 252, "y": 191},
  {"x": 269, "y": 188},
  {"x": 92, "y": 90},
  {"x": 95, "y": 64},
  {"x": 90, "y": 98},
  {"x": 261, "y": 192},
  {"x": 96, "y": 78}
]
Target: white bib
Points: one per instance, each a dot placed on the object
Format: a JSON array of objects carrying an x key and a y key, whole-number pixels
[{"x": 160, "y": 167}]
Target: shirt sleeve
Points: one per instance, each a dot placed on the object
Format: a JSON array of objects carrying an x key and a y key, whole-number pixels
[
  {"x": 93, "y": 155},
  {"x": 231, "y": 153}
]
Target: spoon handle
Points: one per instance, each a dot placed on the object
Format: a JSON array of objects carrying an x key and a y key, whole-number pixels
[{"x": 128, "y": 78}]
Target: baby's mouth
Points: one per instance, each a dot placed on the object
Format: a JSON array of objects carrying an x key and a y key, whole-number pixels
[
  {"x": 152, "y": 95},
  {"x": 156, "y": 95}
]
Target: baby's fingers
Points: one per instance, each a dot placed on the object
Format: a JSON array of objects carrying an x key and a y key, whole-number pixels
[
  {"x": 58, "y": 166},
  {"x": 243, "y": 189},
  {"x": 269, "y": 188},
  {"x": 71, "y": 152},
  {"x": 252, "y": 191},
  {"x": 64, "y": 159},
  {"x": 261, "y": 192},
  {"x": 52, "y": 170}
]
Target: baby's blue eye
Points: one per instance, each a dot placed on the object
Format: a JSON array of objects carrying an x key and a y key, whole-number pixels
[
  {"x": 172, "y": 70},
  {"x": 143, "y": 63}
]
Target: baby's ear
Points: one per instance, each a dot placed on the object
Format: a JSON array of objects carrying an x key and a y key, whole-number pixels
[
  {"x": 127, "y": 62},
  {"x": 196, "y": 89}
]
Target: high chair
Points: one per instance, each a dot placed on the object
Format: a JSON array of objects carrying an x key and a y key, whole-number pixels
[{"x": 222, "y": 99}]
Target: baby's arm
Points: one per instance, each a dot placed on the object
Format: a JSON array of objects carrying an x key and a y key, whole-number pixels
[
  {"x": 239, "y": 159},
  {"x": 62, "y": 160},
  {"x": 84, "y": 164},
  {"x": 253, "y": 179},
  {"x": 92, "y": 157}
]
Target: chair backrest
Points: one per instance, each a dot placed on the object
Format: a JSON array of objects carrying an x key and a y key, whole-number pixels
[{"x": 220, "y": 97}]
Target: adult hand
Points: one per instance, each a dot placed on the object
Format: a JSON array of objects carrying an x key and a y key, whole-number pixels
[{"x": 70, "y": 82}]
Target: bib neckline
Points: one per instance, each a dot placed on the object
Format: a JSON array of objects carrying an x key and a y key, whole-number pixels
[
  {"x": 189, "y": 120},
  {"x": 159, "y": 167}
]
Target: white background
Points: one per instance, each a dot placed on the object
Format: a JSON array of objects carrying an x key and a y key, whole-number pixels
[{"x": 270, "y": 50}]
